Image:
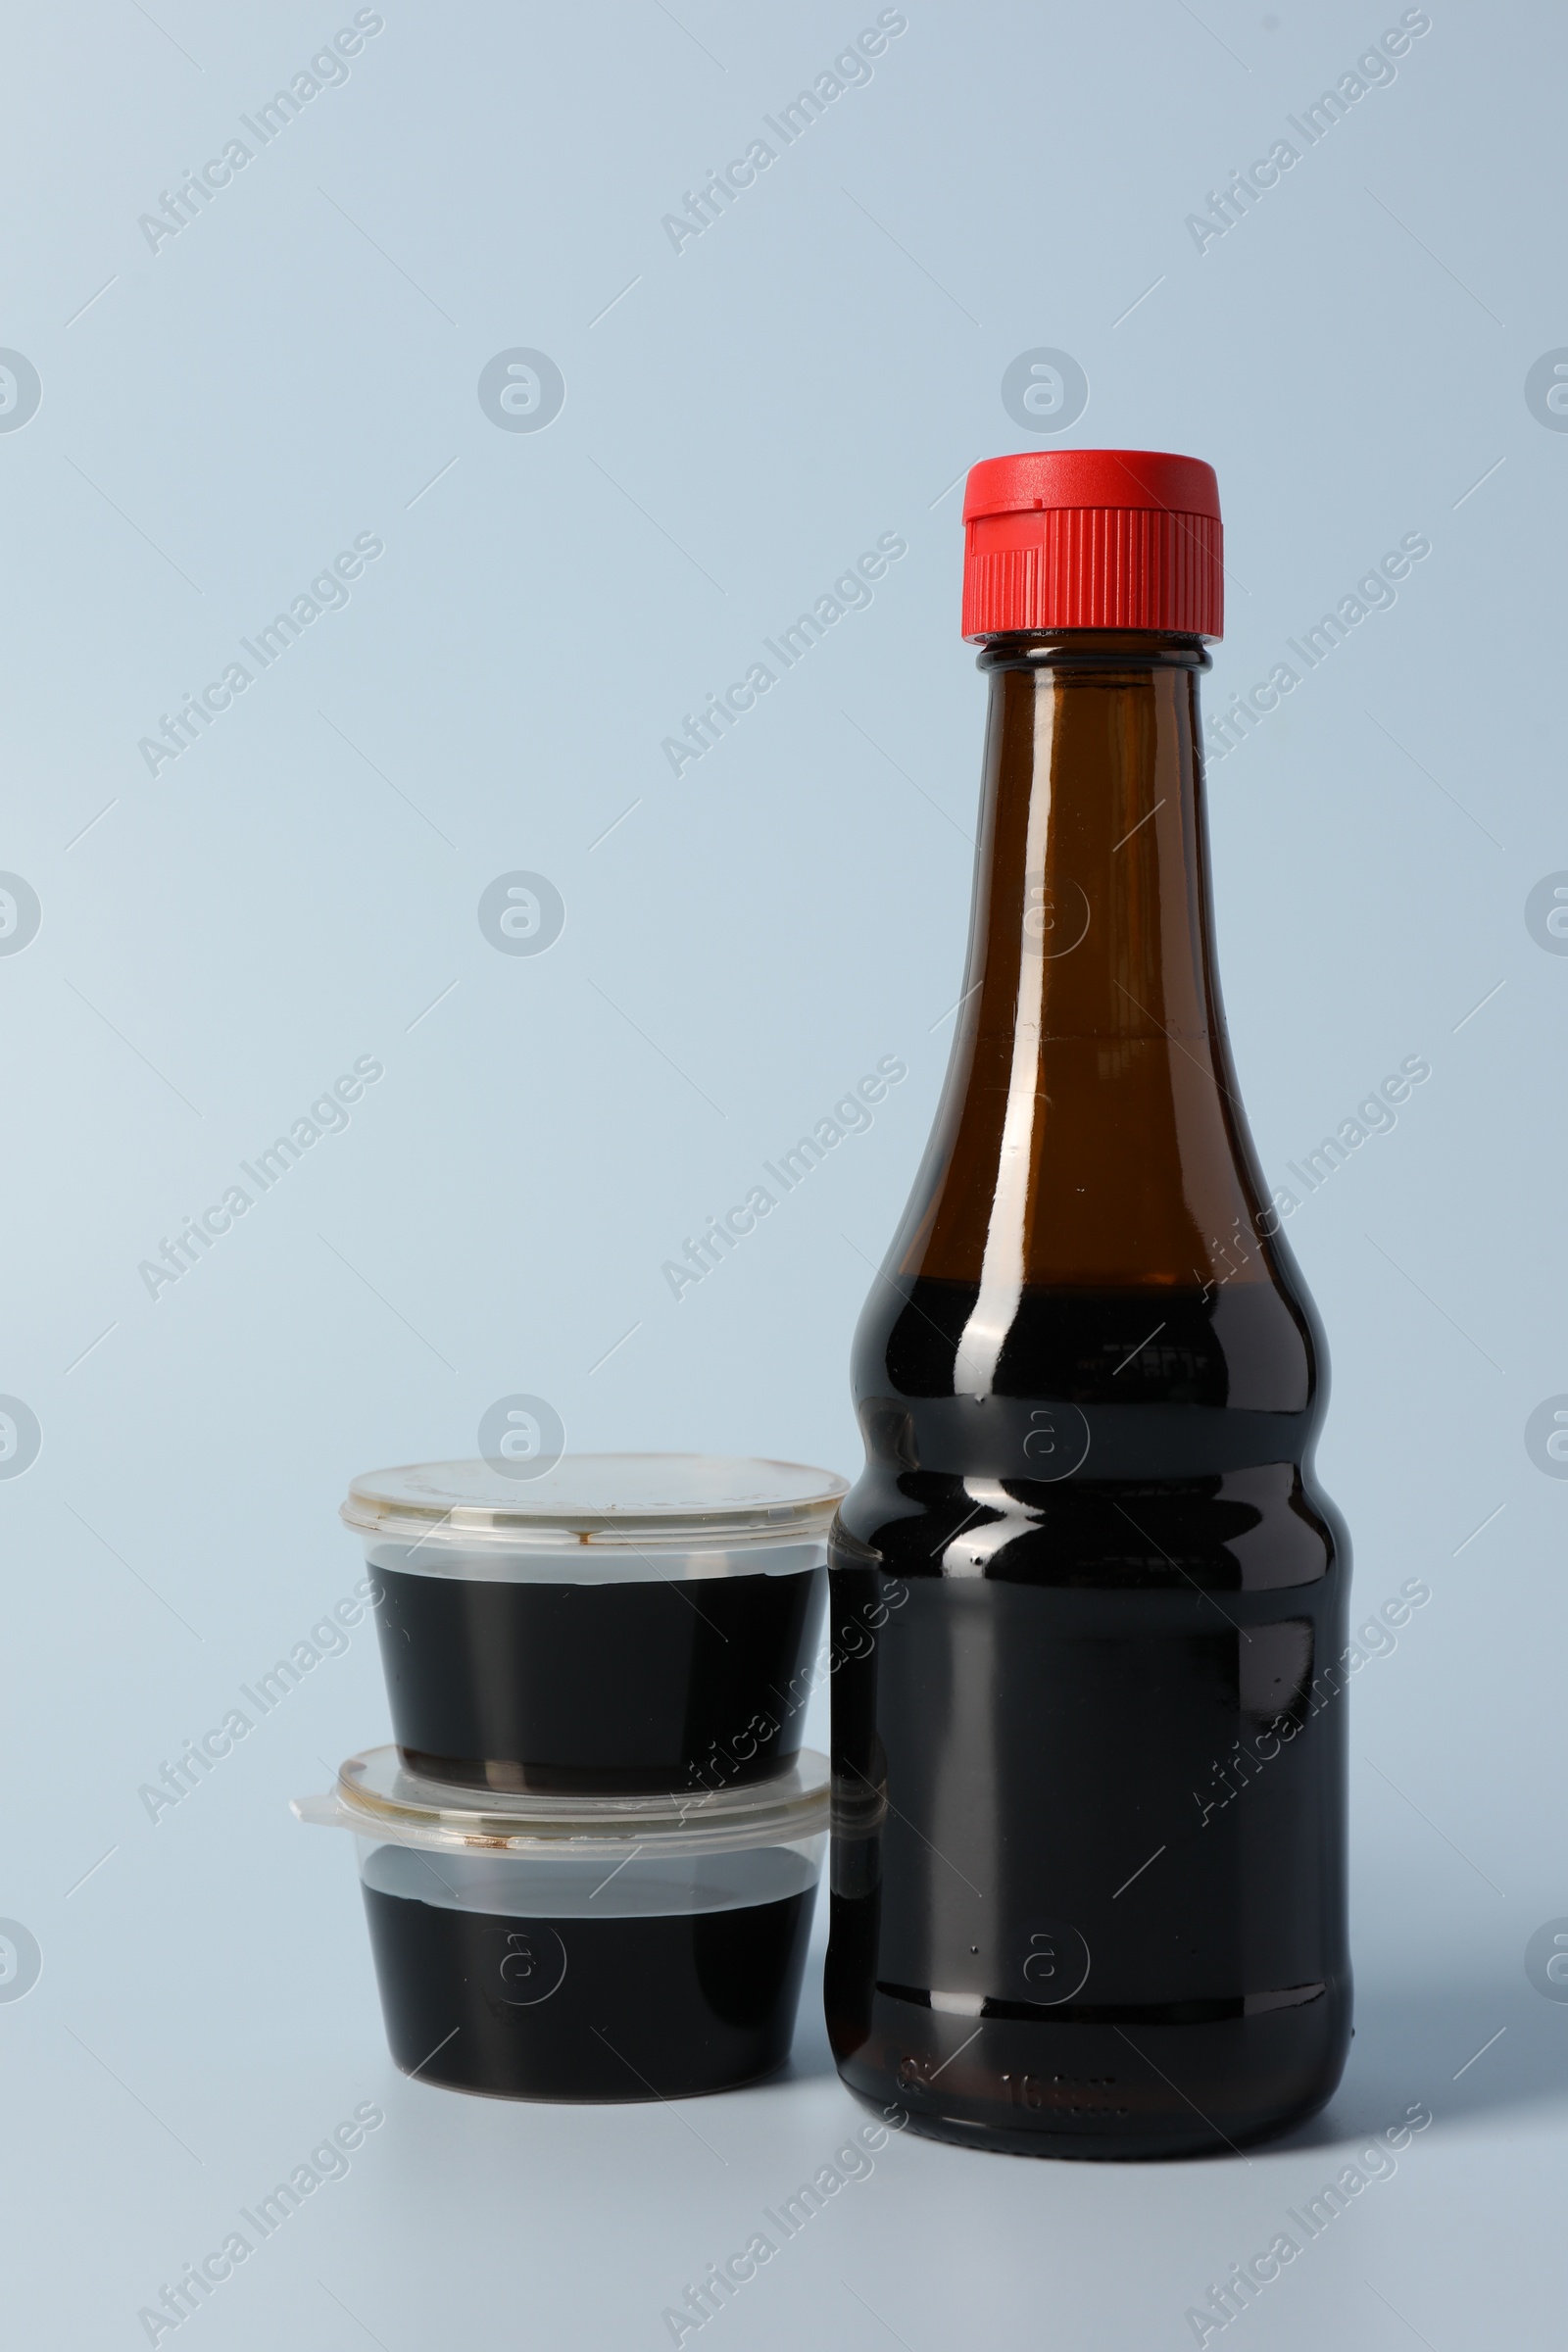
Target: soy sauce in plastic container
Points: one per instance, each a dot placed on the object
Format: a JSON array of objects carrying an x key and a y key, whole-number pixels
[
  {"x": 617, "y": 1623},
  {"x": 584, "y": 1947}
]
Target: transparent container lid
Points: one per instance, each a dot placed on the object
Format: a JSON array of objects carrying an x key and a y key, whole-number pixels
[
  {"x": 376, "y": 1796},
  {"x": 636, "y": 1500}
]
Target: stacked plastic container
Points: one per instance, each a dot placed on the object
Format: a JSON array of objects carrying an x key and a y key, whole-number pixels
[{"x": 589, "y": 1862}]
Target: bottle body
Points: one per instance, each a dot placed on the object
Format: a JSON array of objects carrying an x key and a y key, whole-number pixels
[{"x": 1088, "y": 1877}]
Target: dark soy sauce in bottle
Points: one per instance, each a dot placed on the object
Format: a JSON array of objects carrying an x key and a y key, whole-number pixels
[{"x": 1088, "y": 1873}]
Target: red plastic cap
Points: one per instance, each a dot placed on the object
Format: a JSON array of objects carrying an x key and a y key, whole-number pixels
[{"x": 1093, "y": 539}]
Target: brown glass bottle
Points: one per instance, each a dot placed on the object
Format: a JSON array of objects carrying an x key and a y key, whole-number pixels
[{"x": 1088, "y": 1879}]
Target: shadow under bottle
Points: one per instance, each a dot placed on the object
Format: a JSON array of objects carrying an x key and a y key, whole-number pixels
[{"x": 1088, "y": 1876}]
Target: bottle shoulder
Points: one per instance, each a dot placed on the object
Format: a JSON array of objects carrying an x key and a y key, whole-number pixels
[
  {"x": 1252, "y": 1346},
  {"x": 1142, "y": 1438}
]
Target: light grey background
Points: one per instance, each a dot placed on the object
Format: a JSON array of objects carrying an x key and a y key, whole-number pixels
[{"x": 219, "y": 419}]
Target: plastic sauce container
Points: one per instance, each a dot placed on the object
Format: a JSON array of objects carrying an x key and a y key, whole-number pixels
[
  {"x": 618, "y": 1623},
  {"x": 587, "y": 1947}
]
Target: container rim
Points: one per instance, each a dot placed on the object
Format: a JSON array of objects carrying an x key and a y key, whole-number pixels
[
  {"x": 598, "y": 1500},
  {"x": 376, "y": 1796}
]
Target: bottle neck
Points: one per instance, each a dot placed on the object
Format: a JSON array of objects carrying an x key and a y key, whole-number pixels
[
  {"x": 1092, "y": 914},
  {"x": 1089, "y": 1134}
]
